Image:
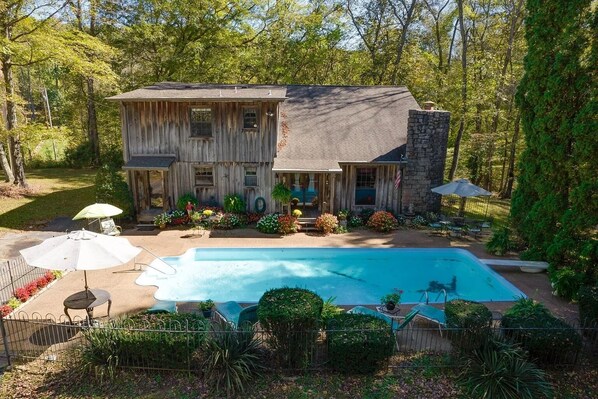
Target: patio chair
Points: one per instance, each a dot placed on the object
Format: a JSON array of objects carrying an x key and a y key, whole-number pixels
[
  {"x": 389, "y": 320},
  {"x": 163, "y": 307},
  {"x": 235, "y": 314},
  {"x": 108, "y": 227},
  {"x": 432, "y": 314}
]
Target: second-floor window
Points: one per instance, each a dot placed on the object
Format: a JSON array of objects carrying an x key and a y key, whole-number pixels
[
  {"x": 201, "y": 122},
  {"x": 250, "y": 176},
  {"x": 204, "y": 176},
  {"x": 249, "y": 118}
]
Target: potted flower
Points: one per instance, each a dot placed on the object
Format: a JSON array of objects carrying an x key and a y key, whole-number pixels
[
  {"x": 391, "y": 300},
  {"x": 295, "y": 201},
  {"x": 297, "y": 213},
  {"x": 342, "y": 216},
  {"x": 206, "y": 308},
  {"x": 162, "y": 220}
]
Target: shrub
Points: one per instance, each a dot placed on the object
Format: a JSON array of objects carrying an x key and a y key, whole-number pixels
[
  {"x": 382, "y": 221},
  {"x": 291, "y": 317},
  {"x": 234, "y": 203},
  {"x": 500, "y": 243},
  {"x": 566, "y": 282},
  {"x": 31, "y": 288},
  {"x": 354, "y": 221},
  {"x": 254, "y": 217},
  {"x": 79, "y": 156},
  {"x": 162, "y": 219},
  {"x": 13, "y": 302},
  {"x": 330, "y": 310},
  {"x": 50, "y": 276},
  {"x": 544, "y": 336},
  {"x": 230, "y": 358},
  {"x": 500, "y": 370},
  {"x": 287, "y": 224},
  {"x": 41, "y": 282},
  {"x": 472, "y": 319},
  {"x": 22, "y": 294},
  {"x": 365, "y": 214},
  {"x": 358, "y": 343},
  {"x": 268, "y": 224},
  {"x": 112, "y": 188},
  {"x": 588, "y": 306},
  {"x": 5, "y": 310},
  {"x": 145, "y": 340},
  {"x": 228, "y": 221},
  {"x": 181, "y": 203},
  {"x": 326, "y": 223}
]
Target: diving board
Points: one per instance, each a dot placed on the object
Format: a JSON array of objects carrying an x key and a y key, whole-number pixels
[{"x": 530, "y": 266}]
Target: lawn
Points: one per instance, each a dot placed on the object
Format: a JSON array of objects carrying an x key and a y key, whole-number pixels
[{"x": 54, "y": 192}]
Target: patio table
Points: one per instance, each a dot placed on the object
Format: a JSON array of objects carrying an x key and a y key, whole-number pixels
[{"x": 87, "y": 300}]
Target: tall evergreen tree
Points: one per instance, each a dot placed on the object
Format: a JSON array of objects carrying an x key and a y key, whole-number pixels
[{"x": 554, "y": 205}]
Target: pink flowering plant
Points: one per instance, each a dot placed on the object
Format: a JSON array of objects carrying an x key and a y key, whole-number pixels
[
  {"x": 383, "y": 222},
  {"x": 326, "y": 223}
]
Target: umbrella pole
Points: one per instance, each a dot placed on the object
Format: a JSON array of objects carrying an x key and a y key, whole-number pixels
[{"x": 86, "y": 287}]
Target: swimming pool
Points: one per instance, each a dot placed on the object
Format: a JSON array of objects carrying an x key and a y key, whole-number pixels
[{"x": 352, "y": 275}]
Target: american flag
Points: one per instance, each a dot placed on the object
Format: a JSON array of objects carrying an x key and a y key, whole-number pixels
[{"x": 398, "y": 178}]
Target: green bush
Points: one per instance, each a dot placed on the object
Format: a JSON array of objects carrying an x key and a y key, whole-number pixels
[
  {"x": 500, "y": 370},
  {"x": 181, "y": 203},
  {"x": 472, "y": 321},
  {"x": 234, "y": 203},
  {"x": 588, "y": 311},
  {"x": 358, "y": 343},
  {"x": 566, "y": 281},
  {"x": 147, "y": 340},
  {"x": 544, "y": 336},
  {"x": 230, "y": 358},
  {"x": 79, "y": 156},
  {"x": 500, "y": 243},
  {"x": 281, "y": 193},
  {"x": 111, "y": 188},
  {"x": 330, "y": 310},
  {"x": 268, "y": 224},
  {"x": 291, "y": 317},
  {"x": 382, "y": 222}
]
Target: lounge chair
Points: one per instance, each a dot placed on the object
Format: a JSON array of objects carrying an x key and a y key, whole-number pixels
[
  {"x": 235, "y": 314},
  {"x": 432, "y": 314},
  {"x": 389, "y": 320},
  {"x": 108, "y": 227},
  {"x": 162, "y": 307}
]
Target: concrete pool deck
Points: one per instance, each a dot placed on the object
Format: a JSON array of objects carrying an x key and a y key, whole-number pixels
[{"x": 128, "y": 297}]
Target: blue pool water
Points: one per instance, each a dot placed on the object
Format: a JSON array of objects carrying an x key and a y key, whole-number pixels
[{"x": 352, "y": 275}]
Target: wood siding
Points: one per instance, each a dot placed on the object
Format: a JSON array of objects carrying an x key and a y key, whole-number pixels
[{"x": 387, "y": 196}]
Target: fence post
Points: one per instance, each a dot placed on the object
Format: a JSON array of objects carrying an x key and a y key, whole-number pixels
[
  {"x": 9, "y": 267},
  {"x": 5, "y": 341}
]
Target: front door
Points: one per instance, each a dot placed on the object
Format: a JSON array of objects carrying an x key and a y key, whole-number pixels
[
  {"x": 149, "y": 189},
  {"x": 304, "y": 188}
]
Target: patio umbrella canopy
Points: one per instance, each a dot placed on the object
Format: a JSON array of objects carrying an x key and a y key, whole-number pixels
[
  {"x": 98, "y": 211},
  {"x": 80, "y": 250},
  {"x": 464, "y": 189}
]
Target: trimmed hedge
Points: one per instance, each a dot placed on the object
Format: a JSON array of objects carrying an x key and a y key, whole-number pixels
[
  {"x": 124, "y": 343},
  {"x": 358, "y": 343},
  {"x": 291, "y": 317},
  {"x": 588, "y": 311},
  {"x": 472, "y": 319},
  {"x": 543, "y": 335}
]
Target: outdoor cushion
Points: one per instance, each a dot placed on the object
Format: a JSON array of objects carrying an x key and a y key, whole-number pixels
[{"x": 235, "y": 314}]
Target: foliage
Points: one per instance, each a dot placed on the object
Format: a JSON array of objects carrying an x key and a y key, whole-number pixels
[
  {"x": 500, "y": 243},
  {"x": 539, "y": 332},
  {"x": 394, "y": 297},
  {"x": 358, "y": 343},
  {"x": 365, "y": 214},
  {"x": 500, "y": 370},
  {"x": 296, "y": 213},
  {"x": 554, "y": 206},
  {"x": 234, "y": 203},
  {"x": 181, "y": 203},
  {"x": 162, "y": 219},
  {"x": 343, "y": 214},
  {"x": 382, "y": 221},
  {"x": 231, "y": 358},
  {"x": 227, "y": 221},
  {"x": 354, "y": 221},
  {"x": 291, "y": 317},
  {"x": 206, "y": 305},
  {"x": 281, "y": 193},
  {"x": 419, "y": 221},
  {"x": 144, "y": 340},
  {"x": 340, "y": 230},
  {"x": 13, "y": 303},
  {"x": 287, "y": 224},
  {"x": 472, "y": 321},
  {"x": 566, "y": 281},
  {"x": 330, "y": 310},
  {"x": 78, "y": 156},
  {"x": 268, "y": 224},
  {"x": 326, "y": 223},
  {"x": 111, "y": 188},
  {"x": 5, "y": 310},
  {"x": 588, "y": 306}
]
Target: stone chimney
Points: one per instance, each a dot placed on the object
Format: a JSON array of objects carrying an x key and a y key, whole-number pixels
[{"x": 427, "y": 135}]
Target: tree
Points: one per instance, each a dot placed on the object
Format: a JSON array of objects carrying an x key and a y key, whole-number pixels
[{"x": 554, "y": 205}]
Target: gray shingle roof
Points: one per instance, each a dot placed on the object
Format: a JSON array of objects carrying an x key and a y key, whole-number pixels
[
  {"x": 197, "y": 91},
  {"x": 311, "y": 165},
  {"x": 345, "y": 124},
  {"x": 150, "y": 162}
]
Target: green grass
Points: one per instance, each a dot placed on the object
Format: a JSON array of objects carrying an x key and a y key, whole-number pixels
[
  {"x": 55, "y": 192},
  {"x": 475, "y": 208}
]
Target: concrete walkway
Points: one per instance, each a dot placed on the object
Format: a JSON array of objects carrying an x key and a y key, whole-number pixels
[{"x": 128, "y": 297}]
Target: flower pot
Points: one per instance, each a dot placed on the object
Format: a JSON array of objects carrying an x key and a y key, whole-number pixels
[
  {"x": 390, "y": 305},
  {"x": 162, "y": 226},
  {"x": 343, "y": 223},
  {"x": 207, "y": 313}
]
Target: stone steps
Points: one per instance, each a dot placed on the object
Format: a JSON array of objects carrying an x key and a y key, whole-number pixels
[{"x": 307, "y": 224}]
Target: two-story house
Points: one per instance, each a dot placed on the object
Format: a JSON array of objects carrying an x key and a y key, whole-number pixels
[{"x": 335, "y": 146}]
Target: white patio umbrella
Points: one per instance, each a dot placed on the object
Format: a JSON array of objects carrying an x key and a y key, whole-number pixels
[
  {"x": 98, "y": 211},
  {"x": 464, "y": 189},
  {"x": 80, "y": 250}
]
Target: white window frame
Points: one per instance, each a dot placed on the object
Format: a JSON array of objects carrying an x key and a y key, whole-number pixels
[
  {"x": 201, "y": 109},
  {"x": 248, "y": 168},
  {"x": 197, "y": 173}
]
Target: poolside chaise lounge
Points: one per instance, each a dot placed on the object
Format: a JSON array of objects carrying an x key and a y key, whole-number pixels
[
  {"x": 432, "y": 314},
  {"x": 235, "y": 314},
  {"x": 389, "y": 320}
]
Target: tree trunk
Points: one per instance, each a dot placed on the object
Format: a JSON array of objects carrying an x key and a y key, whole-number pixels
[
  {"x": 511, "y": 171},
  {"x": 92, "y": 123},
  {"x": 11, "y": 119},
  {"x": 403, "y": 38},
  {"x": 9, "y": 177},
  {"x": 463, "y": 32}
]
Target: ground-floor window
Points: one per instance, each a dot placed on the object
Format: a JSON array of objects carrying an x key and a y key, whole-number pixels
[
  {"x": 251, "y": 176},
  {"x": 365, "y": 186},
  {"x": 204, "y": 176}
]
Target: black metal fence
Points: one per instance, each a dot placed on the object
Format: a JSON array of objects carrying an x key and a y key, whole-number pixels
[
  {"x": 178, "y": 346},
  {"x": 16, "y": 273}
]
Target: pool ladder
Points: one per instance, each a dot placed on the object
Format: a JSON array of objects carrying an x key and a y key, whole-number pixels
[
  {"x": 138, "y": 266},
  {"x": 426, "y": 295}
]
